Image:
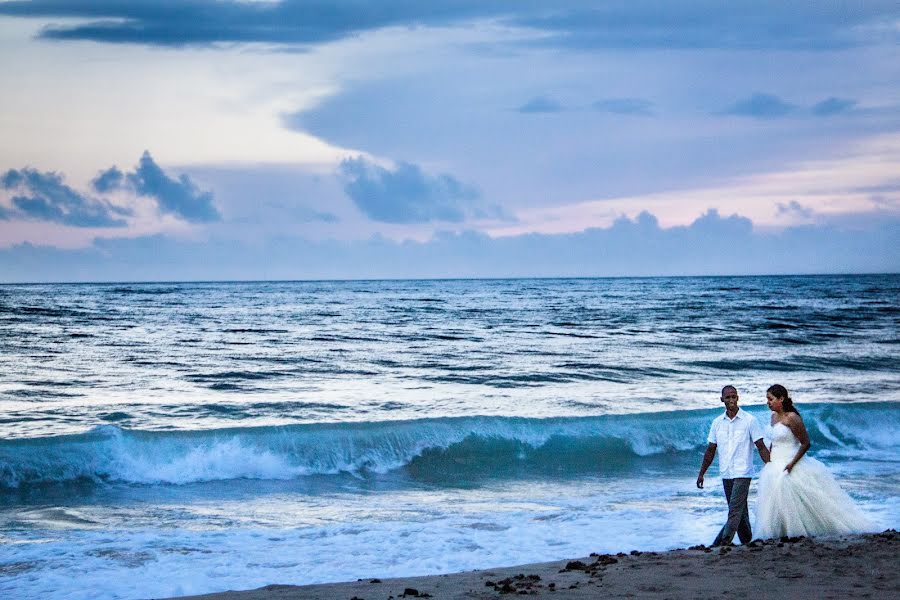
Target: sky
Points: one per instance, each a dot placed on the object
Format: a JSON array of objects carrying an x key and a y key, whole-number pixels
[{"x": 347, "y": 139}]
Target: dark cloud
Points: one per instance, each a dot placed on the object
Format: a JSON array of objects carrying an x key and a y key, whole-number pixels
[
  {"x": 406, "y": 194},
  {"x": 107, "y": 181},
  {"x": 541, "y": 104},
  {"x": 624, "y": 106},
  {"x": 803, "y": 24},
  {"x": 794, "y": 208},
  {"x": 761, "y": 106},
  {"x": 11, "y": 179},
  {"x": 289, "y": 22},
  {"x": 178, "y": 197},
  {"x": 832, "y": 106},
  {"x": 44, "y": 197},
  {"x": 712, "y": 245}
]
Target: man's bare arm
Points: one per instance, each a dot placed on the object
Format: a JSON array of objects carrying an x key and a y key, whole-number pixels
[
  {"x": 763, "y": 451},
  {"x": 707, "y": 460}
]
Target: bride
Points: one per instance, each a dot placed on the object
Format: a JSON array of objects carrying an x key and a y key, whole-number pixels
[{"x": 796, "y": 493}]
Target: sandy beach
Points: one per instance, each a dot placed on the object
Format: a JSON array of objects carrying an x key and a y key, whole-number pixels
[{"x": 863, "y": 566}]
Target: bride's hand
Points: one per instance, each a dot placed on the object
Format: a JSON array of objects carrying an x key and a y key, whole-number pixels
[{"x": 788, "y": 468}]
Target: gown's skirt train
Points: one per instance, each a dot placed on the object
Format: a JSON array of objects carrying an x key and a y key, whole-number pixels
[{"x": 807, "y": 501}]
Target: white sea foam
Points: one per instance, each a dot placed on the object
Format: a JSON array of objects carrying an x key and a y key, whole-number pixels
[
  {"x": 439, "y": 446},
  {"x": 221, "y": 544},
  {"x": 387, "y": 535}
]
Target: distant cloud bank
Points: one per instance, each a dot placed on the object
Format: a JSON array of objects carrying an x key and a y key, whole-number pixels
[{"x": 711, "y": 245}]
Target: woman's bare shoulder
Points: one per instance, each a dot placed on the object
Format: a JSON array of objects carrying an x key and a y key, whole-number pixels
[{"x": 793, "y": 417}]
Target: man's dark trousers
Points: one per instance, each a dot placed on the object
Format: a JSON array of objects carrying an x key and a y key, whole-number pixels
[{"x": 736, "y": 491}]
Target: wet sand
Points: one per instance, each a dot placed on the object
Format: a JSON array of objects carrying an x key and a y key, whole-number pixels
[{"x": 864, "y": 566}]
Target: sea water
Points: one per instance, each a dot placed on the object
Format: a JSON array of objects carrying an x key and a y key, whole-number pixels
[{"x": 165, "y": 439}]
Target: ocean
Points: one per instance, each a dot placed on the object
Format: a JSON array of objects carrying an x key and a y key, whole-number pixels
[{"x": 164, "y": 439}]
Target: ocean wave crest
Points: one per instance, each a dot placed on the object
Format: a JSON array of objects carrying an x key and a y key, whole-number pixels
[{"x": 425, "y": 447}]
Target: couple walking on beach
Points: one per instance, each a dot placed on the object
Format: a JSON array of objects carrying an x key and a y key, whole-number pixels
[{"x": 796, "y": 493}]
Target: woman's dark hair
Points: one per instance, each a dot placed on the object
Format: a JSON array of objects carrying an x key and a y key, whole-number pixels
[{"x": 779, "y": 391}]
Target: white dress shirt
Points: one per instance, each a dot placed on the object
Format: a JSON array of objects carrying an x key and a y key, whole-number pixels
[{"x": 734, "y": 439}]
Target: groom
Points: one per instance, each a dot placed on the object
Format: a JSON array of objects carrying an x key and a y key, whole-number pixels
[{"x": 736, "y": 432}]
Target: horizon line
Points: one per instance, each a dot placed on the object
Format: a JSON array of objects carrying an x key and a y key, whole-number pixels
[{"x": 387, "y": 279}]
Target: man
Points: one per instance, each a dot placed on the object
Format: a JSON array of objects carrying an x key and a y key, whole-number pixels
[{"x": 736, "y": 432}]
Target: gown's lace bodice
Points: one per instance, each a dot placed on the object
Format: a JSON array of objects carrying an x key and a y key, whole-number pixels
[{"x": 784, "y": 443}]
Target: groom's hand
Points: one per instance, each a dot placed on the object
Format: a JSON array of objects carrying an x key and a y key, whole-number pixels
[{"x": 700, "y": 481}]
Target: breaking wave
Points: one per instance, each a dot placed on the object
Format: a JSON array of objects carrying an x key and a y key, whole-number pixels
[{"x": 425, "y": 448}]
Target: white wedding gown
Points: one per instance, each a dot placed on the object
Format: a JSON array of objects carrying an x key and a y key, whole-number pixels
[{"x": 807, "y": 501}]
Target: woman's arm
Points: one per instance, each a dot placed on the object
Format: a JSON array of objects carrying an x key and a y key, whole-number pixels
[{"x": 795, "y": 424}]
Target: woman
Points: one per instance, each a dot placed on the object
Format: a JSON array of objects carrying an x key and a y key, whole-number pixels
[{"x": 797, "y": 495}]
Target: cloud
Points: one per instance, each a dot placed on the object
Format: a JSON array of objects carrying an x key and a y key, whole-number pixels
[
  {"x": 178, "y": 197},
  {"x": 833, "y": 106},
  {"x": 711, "y": 223},
  {"x": 745, "y": 24},
  {"x": 107, "y": 181},
  {"x": 305, "y": 214},
  {"x": 704, "y": 24},
  {"x": 541, "y": 104},
  {"x": 406, "y": 194},
  {"x": 624, "y": 106},
  {"x": 762, "y": 106},
  {"x": 711, "y": 245},
  {"x": 44, "y": 197},
  {"x": 889, "y": 186},
  {"x": 203, "y": 22},
  {"x": 768, "y": 106},
  {"x": 794, "y": 208}
]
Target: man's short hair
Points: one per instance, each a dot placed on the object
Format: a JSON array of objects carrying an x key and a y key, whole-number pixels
[{"x": 728, "y": 387}]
